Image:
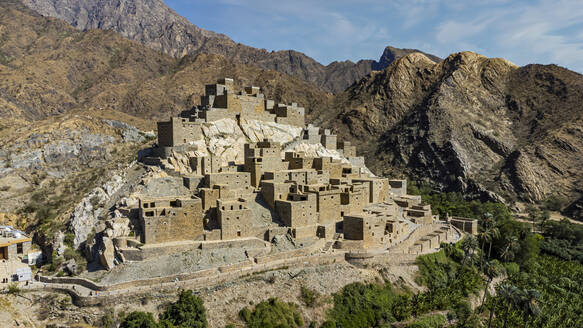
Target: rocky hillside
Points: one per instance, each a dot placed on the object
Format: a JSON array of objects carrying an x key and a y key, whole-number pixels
[
  {"x": 472, "y": 124},
  {"x": 154, "y": 24},
  {"x": 50, "y": 68},
  {"x": 70, "y": 102}
]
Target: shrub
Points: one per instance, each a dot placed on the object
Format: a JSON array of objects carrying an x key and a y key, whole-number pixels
[
  {"x": 371, "y": 305},
  {"x": 245, "y": 314},
  {"x": 139, "y": 319},
  {"x": 69, "y": 239},
  {"x": 309, "y": 297},
  {"x": 188, "y": 311},
  {"x": 14, "y": 289},
  {"x": 273, "y": 313}
]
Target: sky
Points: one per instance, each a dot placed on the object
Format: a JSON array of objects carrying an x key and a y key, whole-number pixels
[{"x": 524, "y": 32}]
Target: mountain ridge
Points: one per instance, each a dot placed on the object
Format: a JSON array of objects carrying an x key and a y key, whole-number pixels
[
  {"x": 153, "y": 23},
  {"x": 479, "y": 125}
]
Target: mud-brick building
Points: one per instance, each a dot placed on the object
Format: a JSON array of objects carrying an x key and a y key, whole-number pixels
[
  {"x": 235, "y": 219},
  {"x": 261, "y": 157},
  {"x": 299, "y": 211},
  {"x": 170, "y": 219}
]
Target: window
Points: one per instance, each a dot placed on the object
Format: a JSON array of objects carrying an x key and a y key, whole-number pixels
[
  {"x": 19, "y": 248},
  {"x": 238, "y": 233}
]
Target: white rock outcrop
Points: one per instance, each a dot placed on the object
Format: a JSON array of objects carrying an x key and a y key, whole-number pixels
[{"x": 87, "y": 213}]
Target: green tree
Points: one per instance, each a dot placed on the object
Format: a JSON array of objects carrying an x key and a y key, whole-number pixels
[
  {"x": 529, "y": 303},
  {"x": 469, "y": 244},
  {"x": 274, "y": 313},
  {"x": 187, "y": 312},
  {"x": 492, "y": 269},
  {"x": 368, "y": 305},
  {"x": 139, "y": 319},
  {"x": 510, "y": 249},
  {"x": 511, "y": 296}
]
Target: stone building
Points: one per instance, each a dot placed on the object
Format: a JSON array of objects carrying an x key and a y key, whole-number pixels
[
  {"x": 377, "y": 226},
  {"x": 262, "y": 157},
  {"x": 235, "y": 219},
  {"x": 170, "y": 219},
  {"x": 420, "y": 214},
  {"x": 221, "y": 101},
  {"x": 464, "y": 224}
]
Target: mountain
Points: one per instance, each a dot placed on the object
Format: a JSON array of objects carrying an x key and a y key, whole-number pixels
[
  {"x": 154, "y": 24},
  {"x": 468, "y": 123},
  {"x": 472, "y": 124},
  {"x": 50, "y": 68},
  {"x": 390, "y": 54}
]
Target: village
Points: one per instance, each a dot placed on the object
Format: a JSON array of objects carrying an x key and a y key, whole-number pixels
[{"x": 320, "y": 208}]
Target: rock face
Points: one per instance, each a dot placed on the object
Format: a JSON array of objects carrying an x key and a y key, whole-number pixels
[
  {"x": 92, "y": 208},
  {"x": 154, "y": 24},
  {"x": 471, "y": 124},
  {"x": 226, "y": 140}
]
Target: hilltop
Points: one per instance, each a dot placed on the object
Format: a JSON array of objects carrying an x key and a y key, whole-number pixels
[{"x": 153, "y": 23}]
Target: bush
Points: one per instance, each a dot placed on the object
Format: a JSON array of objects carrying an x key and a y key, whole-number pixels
[
  {"x": 69, "y": 239},
  {"x": 188, "y": 311},
  {"x": 139, "y": 320},
  {"x": 555, "y": 203},
  {"x": 329, "y": 324},
  {"x": 14, "y": 289},
  {"x": 245, "y": 314},
  {"x": 371, "y": 305},
  {"x": 273, "y": 313},
  {"x": 309, "y": 297}
]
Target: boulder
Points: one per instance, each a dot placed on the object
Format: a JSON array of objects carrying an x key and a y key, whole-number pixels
[
  {"x": 59, "y": 243},
  {"x": 107, "y": 253},
  {"x": 70, "y": 267}
]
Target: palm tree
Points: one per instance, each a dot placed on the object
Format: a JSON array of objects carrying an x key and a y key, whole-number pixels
[
  {"x": 493, "y": 234},
  {"x": 545, "y": 216},
  {"x": 510, "y": 249},
  {"x": 492, "y": 269},
  {"x": 510, "y": 295},
  {"x": 488, "y": 234},
  {"x": 529, "y": 303},
  {"x": 468, "y": 245}
]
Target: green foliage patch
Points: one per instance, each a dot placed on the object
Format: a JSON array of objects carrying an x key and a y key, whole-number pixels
[{"x": 272, "y": 314}]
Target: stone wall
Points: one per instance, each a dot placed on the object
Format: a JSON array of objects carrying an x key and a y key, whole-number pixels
[{"x": 464, "y": 224}]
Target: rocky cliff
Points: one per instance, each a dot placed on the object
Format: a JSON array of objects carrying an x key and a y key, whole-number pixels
[
  {"x": 154, "y": 24},
  {"x": 478, "y": 125}
]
